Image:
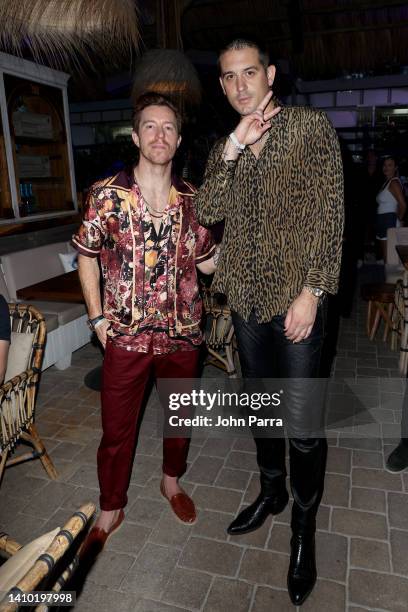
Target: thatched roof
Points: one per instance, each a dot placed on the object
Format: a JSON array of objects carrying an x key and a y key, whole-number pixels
[{"x": 61, "y": 32}]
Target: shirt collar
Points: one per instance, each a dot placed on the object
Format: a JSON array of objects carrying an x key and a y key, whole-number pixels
[
  {"x": 125, "y": 179},
  {"x": 281, "y": 118}
]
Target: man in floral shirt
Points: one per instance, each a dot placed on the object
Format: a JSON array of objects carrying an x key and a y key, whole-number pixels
[{"x": 142, "y": 227}]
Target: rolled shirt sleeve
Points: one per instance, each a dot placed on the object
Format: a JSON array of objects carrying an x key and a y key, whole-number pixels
[
  {"x": 205, "y": 245},
  {"x": 92, "y": 232}
]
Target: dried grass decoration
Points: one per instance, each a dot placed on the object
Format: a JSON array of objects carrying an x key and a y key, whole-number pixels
[
  {"x": 61, "y": 31},
  {"x": 170, "y": 73}
]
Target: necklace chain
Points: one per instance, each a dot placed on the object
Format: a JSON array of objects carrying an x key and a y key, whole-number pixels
[
  {"x": 150, "y": 208},
  {"x": 155, "y": 216}
]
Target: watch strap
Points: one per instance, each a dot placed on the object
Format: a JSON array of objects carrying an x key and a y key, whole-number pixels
[{"x": 94, "y": 322}]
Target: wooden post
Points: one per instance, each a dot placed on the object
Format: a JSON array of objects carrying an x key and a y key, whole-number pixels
[{"x": 168, "y": 23}]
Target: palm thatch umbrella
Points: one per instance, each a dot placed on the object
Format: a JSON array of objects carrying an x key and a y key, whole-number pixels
[
  {"x": 169, "y": 72},
  {"x": 62, "y": 32}
]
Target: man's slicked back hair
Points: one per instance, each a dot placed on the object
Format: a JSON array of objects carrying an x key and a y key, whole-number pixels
[{"x": 245, "y": 43}]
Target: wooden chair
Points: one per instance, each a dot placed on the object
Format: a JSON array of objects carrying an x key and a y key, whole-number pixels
[
  {"x": 219, "y": 332},
  {"x": 18, "y": 395},
  {"x": 380, "y": 297},
  {"x": 44, "y": 573},
  {"x": 400, "y": 323}
]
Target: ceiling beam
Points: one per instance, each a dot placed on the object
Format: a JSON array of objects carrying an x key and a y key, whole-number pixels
[
  {"x": 310, "y": 33},
  {"x": 346, "y": 8},
  {"x": 369, "y": 28},
  {"x": 349, "y": 8}
]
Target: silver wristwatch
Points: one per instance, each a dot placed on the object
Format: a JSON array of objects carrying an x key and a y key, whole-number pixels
[{"x": 316, "y": 291}]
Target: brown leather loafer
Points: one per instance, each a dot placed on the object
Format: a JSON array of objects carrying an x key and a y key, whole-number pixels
[
  {"x": 182, "y": 506},
  {"x": 98, "y": 537}
]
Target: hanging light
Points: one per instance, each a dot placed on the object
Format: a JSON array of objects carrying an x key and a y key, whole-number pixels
[{"x": 169, "y": 72}]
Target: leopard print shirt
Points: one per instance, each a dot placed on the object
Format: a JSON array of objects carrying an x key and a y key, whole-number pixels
[{"x": 283, "y": 213}]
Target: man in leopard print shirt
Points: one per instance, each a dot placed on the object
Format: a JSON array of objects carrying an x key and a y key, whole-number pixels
[{"x": 277, "y": 182}]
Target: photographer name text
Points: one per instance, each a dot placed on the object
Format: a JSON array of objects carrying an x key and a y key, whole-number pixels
[{"x": 230, "y": 421}]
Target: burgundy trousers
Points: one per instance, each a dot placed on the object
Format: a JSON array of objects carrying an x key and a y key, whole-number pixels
[{"x": 125, "y": 377}]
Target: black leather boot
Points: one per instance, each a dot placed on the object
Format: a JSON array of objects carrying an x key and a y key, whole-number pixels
[
  {"x": 398, "y": 459},
  {"x": 307, "y": 469},
  {"x": 254, "y": 516},
  {"x": 302, "y": 567}
]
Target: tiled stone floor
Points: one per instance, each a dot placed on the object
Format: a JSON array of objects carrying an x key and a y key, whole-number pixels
[{"x": 155, "y": 564}]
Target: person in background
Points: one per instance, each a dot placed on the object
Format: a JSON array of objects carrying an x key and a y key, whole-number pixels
[
  {"x": 5, "y": 334},
  {"x": 364, "y": 189},
  {"x": 277, "y": 181},
  {"x": 142, "y": 227},
  {"x": 391, "y": 203}
]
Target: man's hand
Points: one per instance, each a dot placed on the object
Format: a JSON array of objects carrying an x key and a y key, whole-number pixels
[
  {"x": 100, "y": 331},
  {"x": 253, "y": 126},
  {"x": 301, "y": 316}
]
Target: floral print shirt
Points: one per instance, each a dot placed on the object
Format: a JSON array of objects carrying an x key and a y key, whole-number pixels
[{"x": 151, "y": 293}]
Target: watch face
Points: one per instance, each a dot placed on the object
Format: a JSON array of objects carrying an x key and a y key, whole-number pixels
[
  {"x": 89, "y": 323},
  {"x": 318, "y": 292}
]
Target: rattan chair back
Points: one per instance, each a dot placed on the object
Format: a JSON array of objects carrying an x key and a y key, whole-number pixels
[
  {"x": 219, "y": 332},
  {"x": 18, "y": 395}
]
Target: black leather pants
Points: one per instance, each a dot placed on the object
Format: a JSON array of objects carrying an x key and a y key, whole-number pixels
[{"x": 265, "y": 352}]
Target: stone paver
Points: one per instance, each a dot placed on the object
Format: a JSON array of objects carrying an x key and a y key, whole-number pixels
[
  {"x": 368, "y": 499},
  {"x": 101, "y": 598},
  {"x": 212, "y": 524},
  {"x": 339, "y": 460},
  {"x": 146, "y": 511},
  {"x": 336, "y": 490},
  {"x": 326, "y": 595},
  {"x": 331, "y": 553},
  {"x": 265, "y": 567},
  {"x": 210, "y": 556},
  {"x": 204, "y": 470},
  {"x": 370, "y": 554},
  {"x": 217, "y": 498},
  {"x": 397, "y": 508},
  {"x": 232, "y": 479},
  {"x": 111, "y": 569},
  {"x": 267, "y": 599},
  {"x": 130, "y": 538},
  {"x": 228, "y": 595},
  {"x": 368, "y": 459},
  {"x": 149, "y": 575},
  {"x": 399, "y": 551},
  {"x": 353, "y": 522},
  {"x": 168, "y": 532},
  {"x": 376, "y": 479},
  {"x": 186, "y": 588},
  {"x": 375, "y": 590}
]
